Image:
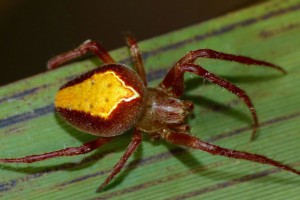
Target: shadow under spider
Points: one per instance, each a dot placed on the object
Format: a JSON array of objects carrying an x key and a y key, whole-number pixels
[
  {"x": 215, "y": 106},
  {"x": 227, "y": 109}
]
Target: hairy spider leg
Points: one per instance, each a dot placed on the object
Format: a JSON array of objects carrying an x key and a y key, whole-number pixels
[
  {"x": 209, "y": 53},
  {"x": 85, "y": 148},
  {"x": 178, "y": 86},
  {"x": 87, "y": 46},
  {"x": 174, "y": 82},
  {"x": 70, "y": 151},
  {"x": 187, "y": 140},
  {"x": 135, "y": 142},
  {"x": 191, "y": 56},
  {"x": 136, "y": 57}
]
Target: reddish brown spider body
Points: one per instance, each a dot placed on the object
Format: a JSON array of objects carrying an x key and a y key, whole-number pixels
[{"x": 113, "y": 98}]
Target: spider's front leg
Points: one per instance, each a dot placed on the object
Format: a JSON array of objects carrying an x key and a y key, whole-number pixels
[
  {"x": 209, "y": 53},
  {"x": 174, "y": 83},
  {"x": 175, "y": 77},
  {"x": 136, "y": 57},
  {"x": 135, "y": 142},
  {"x": 87, "y": 46},
  {"x": 187, "y": 140}
]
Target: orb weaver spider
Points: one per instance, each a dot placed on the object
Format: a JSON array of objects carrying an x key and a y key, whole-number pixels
[{"x": 109, "y": 100}]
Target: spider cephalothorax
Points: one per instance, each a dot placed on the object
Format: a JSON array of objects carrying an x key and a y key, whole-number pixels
[{"x": 113, "y": 98}]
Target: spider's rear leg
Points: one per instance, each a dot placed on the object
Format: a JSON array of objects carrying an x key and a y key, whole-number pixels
[
  {"x": 187, "y": 140},
  {"x": 174, "y": 83},
  {"x": 87, "y": 46},
  {"x": 70, "y": 151}
]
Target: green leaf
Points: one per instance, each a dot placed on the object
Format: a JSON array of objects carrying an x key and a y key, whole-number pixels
[{"x": 158, "y": 170}]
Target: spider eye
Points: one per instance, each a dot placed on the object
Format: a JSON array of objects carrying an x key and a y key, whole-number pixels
[{"x": 105, "y": 101}]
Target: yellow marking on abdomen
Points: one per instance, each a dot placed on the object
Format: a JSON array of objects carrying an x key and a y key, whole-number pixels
[{"x": 98, "y": 95}]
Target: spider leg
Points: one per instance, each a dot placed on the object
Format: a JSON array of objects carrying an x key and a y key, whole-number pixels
[
  {"x": 191, "y": 56},
  {"x": 87, "y": 46},
  {"x": 193, "y": 142},
  {"x": 135, "y": 142},
  {"x": 177, "y": 86},
  {"x": 70, "y": 151},
  {"x": 136, "y": 57},
  {"x": 209, "y": 53}
]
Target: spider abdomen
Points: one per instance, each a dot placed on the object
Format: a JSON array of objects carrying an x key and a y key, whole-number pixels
[{"x": 106, "y": 101}]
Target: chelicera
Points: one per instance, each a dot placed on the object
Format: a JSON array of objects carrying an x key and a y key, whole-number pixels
[{"x": 113, "y": 98}]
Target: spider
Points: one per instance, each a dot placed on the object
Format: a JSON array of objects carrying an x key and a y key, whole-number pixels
[{"x": 110, "y": 99}]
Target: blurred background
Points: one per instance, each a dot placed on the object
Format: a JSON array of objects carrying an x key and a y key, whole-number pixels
[{"x": 33, "y": 31}]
